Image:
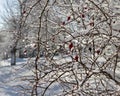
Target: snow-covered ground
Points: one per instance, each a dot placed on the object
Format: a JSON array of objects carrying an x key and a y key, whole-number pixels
[
  {"x": 12, "y": 78},
  {"x": 7, "y": 62}
]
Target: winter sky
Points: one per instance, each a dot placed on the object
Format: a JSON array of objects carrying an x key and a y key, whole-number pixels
[{"x": 2, "y": 8}]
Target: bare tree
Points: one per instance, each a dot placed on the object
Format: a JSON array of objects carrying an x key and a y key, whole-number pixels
[
  {"x": 80, "y": 43},
  {"x": 13, "y": 22}
]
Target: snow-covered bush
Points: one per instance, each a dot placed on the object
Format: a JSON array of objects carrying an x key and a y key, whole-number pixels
[{"x": 84, "y": 29}]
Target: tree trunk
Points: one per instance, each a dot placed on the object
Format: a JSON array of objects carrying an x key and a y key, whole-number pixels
[
  {"x": 20, "y": 54},
  {"x": 13, "y": 56}
]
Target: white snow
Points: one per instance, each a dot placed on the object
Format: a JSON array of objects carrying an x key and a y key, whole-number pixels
[{"x": 10, "y": 77}]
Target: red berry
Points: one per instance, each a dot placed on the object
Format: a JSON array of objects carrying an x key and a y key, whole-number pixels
[
  {"x": 63, "y": 23},
  {"x": 25, "y": 52},
  {"x": 91, "y": 23},
  {"x": 98, "y": 52},
  {"x": 24, "y": 12},
  {"x": 85, "y": 7},
  {"x": 90, "y": 49},
  {"x": 68, "y": 18},
  {"x": 35, "y": 45},
  {"x": 113, "y": 21},
  {"x": 71, "y": 46},
  {"x": 76, "y": 58},
  {"x": 53, "y": 39},
  {"x": 82, "y": 15}
]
